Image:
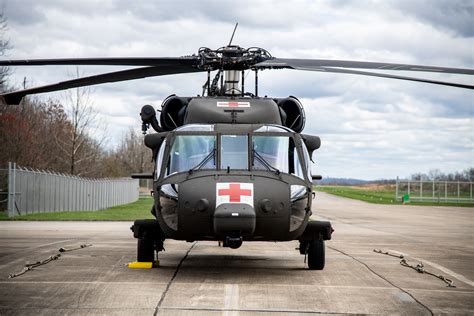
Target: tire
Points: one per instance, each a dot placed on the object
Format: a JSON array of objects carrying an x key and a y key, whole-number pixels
[
  {"x": 316, "y": 255},
  {"x": 145, "y": 250}
]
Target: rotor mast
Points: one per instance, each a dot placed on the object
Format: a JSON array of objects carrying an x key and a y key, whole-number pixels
[
  {"x": 230, "y": 62},
  {"x": 232, "y": 83},
  {"x": 231, "y": 77},
  {"x": 232, "y": 86}
]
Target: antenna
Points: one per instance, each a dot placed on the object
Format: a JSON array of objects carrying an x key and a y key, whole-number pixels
[{"x": 232, "y": 37}]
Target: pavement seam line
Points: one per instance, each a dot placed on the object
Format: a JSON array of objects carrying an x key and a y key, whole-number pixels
[
  {"x": 256, "y": 310},
  {"x": 383, "y": 278},
  {"x": 163, "y": 295}
]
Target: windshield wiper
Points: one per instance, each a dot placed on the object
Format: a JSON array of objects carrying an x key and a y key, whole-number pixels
[
  {"x": 264, "y": 162},
  {"x": 206, "y": 159}
]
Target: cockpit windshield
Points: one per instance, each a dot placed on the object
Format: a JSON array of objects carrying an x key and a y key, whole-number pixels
[
  {"x": 234, "y": 152},
  {"x": 192, "y": 152},
  {"x": 274, "y": 151},
  {"x": 203, "y": 149},
  {"x": 277, "y": 153},
  {"x": 195, "y": 151}
]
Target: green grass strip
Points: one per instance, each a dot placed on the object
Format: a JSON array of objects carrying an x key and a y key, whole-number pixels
[
  {"x": 127, "y": 212},
  {"x": 378, "y": 196}
]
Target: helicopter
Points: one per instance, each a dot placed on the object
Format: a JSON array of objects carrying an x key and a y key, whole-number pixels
[{"x": 229, "y": 165}]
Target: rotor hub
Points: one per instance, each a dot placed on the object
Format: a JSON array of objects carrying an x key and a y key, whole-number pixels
[{"x": 232, "y": 57}]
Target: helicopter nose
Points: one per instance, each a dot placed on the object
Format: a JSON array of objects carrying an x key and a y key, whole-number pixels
[{"x": 232, "y": 218}]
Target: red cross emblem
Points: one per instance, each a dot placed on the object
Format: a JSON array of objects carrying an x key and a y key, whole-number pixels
[
  {"x": 234, "y": 193},
  {"x": 233, "y": 104}
]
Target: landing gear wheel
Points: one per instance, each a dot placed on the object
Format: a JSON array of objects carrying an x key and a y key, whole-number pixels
[
  {"x": 316, "y": 255},
  {"x": 145, "y": 250}
]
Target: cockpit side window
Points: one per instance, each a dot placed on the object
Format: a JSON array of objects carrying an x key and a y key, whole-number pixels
[
  {"x": 159, "y": 159},
  {"x": 307, "y": 161}
]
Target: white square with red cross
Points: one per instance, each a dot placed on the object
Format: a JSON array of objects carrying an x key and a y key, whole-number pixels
[
  {"x": 233, "y": 104},
  {"x": 234, "y": 192}
]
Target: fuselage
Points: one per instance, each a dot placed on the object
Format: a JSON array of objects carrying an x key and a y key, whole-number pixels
[{"x": 248, "y": 181}]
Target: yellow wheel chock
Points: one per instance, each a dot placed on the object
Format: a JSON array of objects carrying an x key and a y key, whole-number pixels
[{"x": 143, "y": 265}]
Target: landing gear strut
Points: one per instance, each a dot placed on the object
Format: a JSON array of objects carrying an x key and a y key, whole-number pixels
[
  {"x": 145, "y": 250},
  {"x": 312, "y": 243},
  {"x": 150, "y": 238}
]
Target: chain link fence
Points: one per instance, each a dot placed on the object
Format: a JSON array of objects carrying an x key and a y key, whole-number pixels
[
  {"x": 434, "y": 191},
  {"x": 26, "y": 191}
]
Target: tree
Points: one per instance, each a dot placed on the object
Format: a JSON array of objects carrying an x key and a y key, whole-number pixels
[
  {"x": 26, "y": 132},
  {"x": 131, "y": 156},
  {"x": 133, "y": 153},
  {"x": 4, "y": 47},
  {"x": 435, "y": 174},
  {"x": 469, "y": 174},
  {"x": 79, "y": 147},
  {"x": 42, "y": 134}
]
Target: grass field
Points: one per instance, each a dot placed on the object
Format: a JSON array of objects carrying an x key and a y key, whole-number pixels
[
  {"x": 141, "y": 208},
  {"x": 127, "y": 212},
  {"x": 377, "y": 194}
]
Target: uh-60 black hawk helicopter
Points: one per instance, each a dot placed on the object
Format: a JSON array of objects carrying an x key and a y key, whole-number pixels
[{"x": 230, "y": 165}]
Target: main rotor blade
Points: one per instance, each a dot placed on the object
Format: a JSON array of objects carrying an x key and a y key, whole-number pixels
[
  {"x": 130, "y": 74},
  {"x": 381, "y": 75},
  {"x": 317, "y": 63},
  {"x": 107, "y": 61}
]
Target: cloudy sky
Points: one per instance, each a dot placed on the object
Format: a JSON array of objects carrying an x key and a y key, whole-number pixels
[{"x": 371, "y": 128}]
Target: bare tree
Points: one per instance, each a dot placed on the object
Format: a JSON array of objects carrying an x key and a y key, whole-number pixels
[
  {"x": 4, "y": 47},
  {"x": 133, "y": 155},
  {"x": 79, "y": 147},
  {"x": 436, "y": 174},
  {"x": 130, "y": 156}
]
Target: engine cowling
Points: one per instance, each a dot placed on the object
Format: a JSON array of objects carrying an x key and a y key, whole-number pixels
[
  {"x": 173, "y": 112},
  {"x": 177, "y": 111},
  {"x": 293, "y": 115}
]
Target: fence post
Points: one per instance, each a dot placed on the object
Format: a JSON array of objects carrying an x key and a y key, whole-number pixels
[
  {"x": 14, "y": 191},
  {"x": 48, "y": 193},
  {"x": 421, "y": 188},
  {"x": 396, "y": 189},
  {"x": 458, "y": 191},
  {"x": 434, "y": 189},
  {"x": 446, "y": 190},
  {"x": 10, "y": 190},
  {"x": 470, "y": 195},
  {"x": 408, "y": 187}
]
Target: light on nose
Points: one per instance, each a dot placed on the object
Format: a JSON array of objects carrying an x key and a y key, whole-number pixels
[
  {"x": 266, "y": 205},
  {"x": 202, "y": 205}
]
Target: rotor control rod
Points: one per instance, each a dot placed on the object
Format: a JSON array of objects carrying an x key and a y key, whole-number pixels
[
  {"x": 243, "y": 83},
  {"x": 256, "y": 82}
]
